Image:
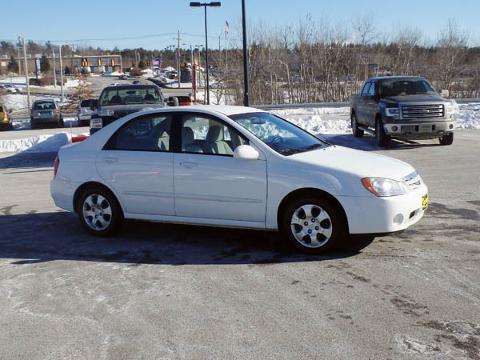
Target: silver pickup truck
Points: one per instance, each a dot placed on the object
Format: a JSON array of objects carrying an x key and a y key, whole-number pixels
[{"x": 405, "y": 107}]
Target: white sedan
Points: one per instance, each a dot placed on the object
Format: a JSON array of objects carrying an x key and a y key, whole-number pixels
[{"x": 234, "y": 167}]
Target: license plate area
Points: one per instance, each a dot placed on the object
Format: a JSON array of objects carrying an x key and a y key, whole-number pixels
[
  {"x": 424, "y": 201},
  {"x": 96, "y": 123},
  {"x": 425, "y": 129}
]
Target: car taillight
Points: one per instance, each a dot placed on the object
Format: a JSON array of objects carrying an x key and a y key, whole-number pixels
[{"x": 56, "y": 163}]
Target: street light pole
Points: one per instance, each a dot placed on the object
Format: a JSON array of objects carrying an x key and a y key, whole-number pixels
[
  {"x": 245, "y": 58},
  {"x": 198, "y": 4},
  {"x": 26, "y": 71},
  {"x": 61, "y": 72}
]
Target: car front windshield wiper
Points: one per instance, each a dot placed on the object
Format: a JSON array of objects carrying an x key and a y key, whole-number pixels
[{"x": 291, "y": 151}]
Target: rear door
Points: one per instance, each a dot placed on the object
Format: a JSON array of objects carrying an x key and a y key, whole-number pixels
[
  {"x": 370, "y": 104},
  {"x": 361, "y": 112},
  {"x": 137, "y": 163}
]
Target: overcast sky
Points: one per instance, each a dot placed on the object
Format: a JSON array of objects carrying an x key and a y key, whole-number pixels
[{"x": 153, "y": 24}]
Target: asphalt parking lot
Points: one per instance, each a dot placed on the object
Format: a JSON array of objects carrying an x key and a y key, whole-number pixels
[{"x": 180, "y": 292}]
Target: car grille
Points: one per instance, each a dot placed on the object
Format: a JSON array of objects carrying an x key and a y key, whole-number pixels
[
  {"x": 422, "y": 111},
  {"x": 413, "y": 180}
]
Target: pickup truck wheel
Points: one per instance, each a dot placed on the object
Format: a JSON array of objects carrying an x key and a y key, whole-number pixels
[
  {"x": 355, "y": 130},
  {"x": 312, "y": 225},
  {"x": 383, "y": 140},
  {"x": 446, "y": 139}
]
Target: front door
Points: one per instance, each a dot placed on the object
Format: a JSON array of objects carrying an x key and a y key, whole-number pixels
[
  {"x": 137, "y": 163},
  {"x": 209, "y": 182}
]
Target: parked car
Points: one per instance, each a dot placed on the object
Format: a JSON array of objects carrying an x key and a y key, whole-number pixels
[
  {"x": 84, "y": 111},
  {"x": 45, "y": 112},
  {"x": 234, "y": 167},
  {"x": 120, "y": 100},
  {"x": 402, "y": 107},
  {"x": 5, "y": 120}
]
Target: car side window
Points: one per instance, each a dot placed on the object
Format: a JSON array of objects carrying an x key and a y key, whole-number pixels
[
  {"x": 371, "y": 89},
  {"x": 144, "y": 133},
  {"x": 366, "y": 89},
  {"x": 204, "y": 135}
]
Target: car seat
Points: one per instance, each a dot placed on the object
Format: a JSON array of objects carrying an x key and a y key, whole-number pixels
[
  {"x": 215, "y": 142},
  {"x": 188, "y": 141}
]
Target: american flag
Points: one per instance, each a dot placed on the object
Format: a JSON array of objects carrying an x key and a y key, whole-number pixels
[{"x": 226, "y": 29}]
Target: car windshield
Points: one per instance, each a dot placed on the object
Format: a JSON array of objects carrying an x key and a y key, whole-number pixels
[
  {"x": 279, "y": 134},
  {"x": 47, "y": 105},
  {"x": 405, "y": 87},
  {"x": 130, "y": 95}
]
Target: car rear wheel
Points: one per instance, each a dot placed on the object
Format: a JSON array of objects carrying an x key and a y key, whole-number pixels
[
  {"x": 446, "y": 139},
  {"x": 313, "y": 225},
  {"x": 357, "y": 132},
  {"x": 99, "y": 212},
  {"x": 382, "y": 139}
]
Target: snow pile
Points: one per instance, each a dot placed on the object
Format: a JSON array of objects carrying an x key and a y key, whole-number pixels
[
  {"x": 39, "y": 143},
  {"x": 468, "y": 116},
  {"x": 312, "y": 120},
  {"x": 14, "y": 102}
]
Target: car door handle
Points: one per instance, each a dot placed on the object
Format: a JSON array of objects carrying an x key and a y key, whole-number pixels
[
  {"x": 111, "y": 159},
  {"x": 188, "y": 164}
]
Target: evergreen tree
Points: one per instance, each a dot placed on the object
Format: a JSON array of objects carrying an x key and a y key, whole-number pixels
[
  {"x": 44, "y": 64},
  {"x": 12, "y": 65}
]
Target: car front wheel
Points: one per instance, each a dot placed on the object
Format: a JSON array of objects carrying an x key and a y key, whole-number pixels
[
  {"x": 383, "y": 140},
  {"x": 99, "y": 212},
  {"x": 313, "y": 225},
  {"x": 446, "y": 139}
]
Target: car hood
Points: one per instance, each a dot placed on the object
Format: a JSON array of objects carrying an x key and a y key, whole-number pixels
[
  {"x": 414, "y": 99},
  {"x": 355, "y": 162}
]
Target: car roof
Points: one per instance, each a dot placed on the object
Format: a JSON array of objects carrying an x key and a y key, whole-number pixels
[
  {"x": 406, "y": 77},
  {"x": 221, "y": 109},
  {"x": 130, "y": 86},
  {"x": 44, "y": 100}
]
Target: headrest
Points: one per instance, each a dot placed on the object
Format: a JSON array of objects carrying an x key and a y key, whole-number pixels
[
  {"x": 187, "y": 136},
  {"x": 215, "y": 133}
]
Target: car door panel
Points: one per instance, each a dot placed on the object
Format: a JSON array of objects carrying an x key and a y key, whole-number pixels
[
  {"x": 143, "y": 180},
  {"x": 220, "y": 187}
]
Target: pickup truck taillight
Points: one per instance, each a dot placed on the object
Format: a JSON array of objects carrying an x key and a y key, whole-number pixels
[{"x": 56, "y": 163}]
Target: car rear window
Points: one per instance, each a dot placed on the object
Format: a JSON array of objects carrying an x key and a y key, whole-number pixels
[
  {"x": 45, "y": 105},
  {"x": 130, "y": 95}
]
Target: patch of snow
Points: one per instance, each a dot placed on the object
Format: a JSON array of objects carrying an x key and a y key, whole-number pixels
[
  {"x": 468, "y": 116},
  {"x": 312, "y": 120},
  {"x": 38, "y": 143}
]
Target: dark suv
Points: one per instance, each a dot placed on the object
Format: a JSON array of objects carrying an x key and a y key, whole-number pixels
[
  {"x": 402, "y": 107},
  {"x": 119, "y": 100}
]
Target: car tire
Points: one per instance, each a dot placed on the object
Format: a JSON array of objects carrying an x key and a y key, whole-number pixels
[
  {"x": 446, "y": 139},
  {"x": 99, "y": 211},
  {"x": 313, "y": 225},
  {"x": 354, "y": 123},
  {"x": 382, "y": 139}
]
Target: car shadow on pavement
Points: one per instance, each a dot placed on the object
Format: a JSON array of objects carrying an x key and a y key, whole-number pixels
[
  {"x": 28, "y": 160},
  {"x": 367, "y": 143},
  {"x": 42, "y": 237}
]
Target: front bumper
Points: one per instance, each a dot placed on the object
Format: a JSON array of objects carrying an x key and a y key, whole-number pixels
[
  {"x": 419, "y": 129},
  {"x": 379, "y": 215},
  {"x": 43, "y": 120}
]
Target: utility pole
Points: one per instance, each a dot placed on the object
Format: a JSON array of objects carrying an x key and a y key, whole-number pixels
[
  {"x": 54, "y": 71},
  {"x": 245, "y": 58},
  {"x": 26, "y": 72},
  {"x": 61, "y": 73},
  {"x": 178, "y": 56}
]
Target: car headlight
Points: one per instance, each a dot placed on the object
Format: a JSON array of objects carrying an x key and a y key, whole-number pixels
[
  {"x": 383, "y": 187},
  {"x": 106, "y": 112},
  {"x": 392, "y": 112}
]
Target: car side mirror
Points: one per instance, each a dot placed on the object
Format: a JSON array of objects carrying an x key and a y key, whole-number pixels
[{"x": 246, "y": 152}]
